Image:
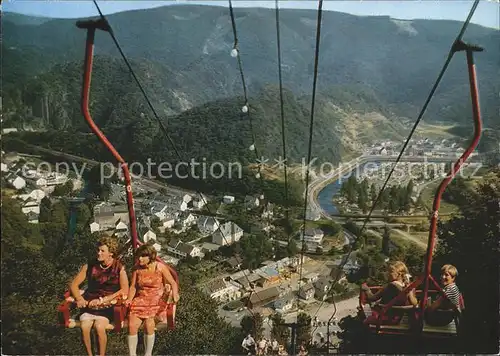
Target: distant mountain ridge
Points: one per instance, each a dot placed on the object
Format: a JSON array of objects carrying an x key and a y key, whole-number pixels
[{"x": 181, "y": 54}]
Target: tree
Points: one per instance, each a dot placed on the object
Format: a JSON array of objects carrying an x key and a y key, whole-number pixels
[
  {"x": 97, "y": 184},
  {"x": 373, "y": 193},
  {"x": 470, "y": 242},
  {"x": 45, "y": 207},
  {"x": 386, "y": 240},
  {"x": 252, "y": 324},
  {"x": 199, "y": 329},
  {"x": 155, "y": 223},
  {"x": 83, "y": 215},
  {"x": 362, "y": 202},
  {"x": 279, "y": 331},
  {"x": 30, "y": 298},
  {"x": 292, "y": 248},
  {"x": 63, "y": 189},
  {"x": 303, "y": 329}
]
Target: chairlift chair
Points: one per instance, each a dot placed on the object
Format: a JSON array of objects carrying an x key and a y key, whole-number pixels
[
  {"x": 409, "y": 320},
  {"x": 119, "y": 321}
]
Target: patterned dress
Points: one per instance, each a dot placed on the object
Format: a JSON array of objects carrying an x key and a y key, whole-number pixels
[
  {"x": 101, "y": 283},
  {"x": 148, "y": 302}
]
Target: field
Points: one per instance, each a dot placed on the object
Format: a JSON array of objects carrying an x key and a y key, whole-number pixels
[
  {"x": 428, "y": 198},
  {"x": 435, "y": 131}
]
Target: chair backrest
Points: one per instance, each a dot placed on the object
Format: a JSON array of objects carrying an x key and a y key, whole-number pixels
[{"x": 461, "y": 302}]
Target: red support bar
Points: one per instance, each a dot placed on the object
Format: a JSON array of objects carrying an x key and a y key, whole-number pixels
[
  {"x": 91, "y": 26},
  {"x": 458, "y": 46}
]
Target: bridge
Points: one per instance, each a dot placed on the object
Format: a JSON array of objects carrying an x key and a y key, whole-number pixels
[
  {"x": 378, "y": 216},
  {"x": 421, "y": 159}
]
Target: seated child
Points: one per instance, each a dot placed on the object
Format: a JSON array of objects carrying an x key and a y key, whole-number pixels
[
  {"x": 448, "y": 275},
  {"x": 398, "y": 280},
  {"x": 453, "y": 300}
]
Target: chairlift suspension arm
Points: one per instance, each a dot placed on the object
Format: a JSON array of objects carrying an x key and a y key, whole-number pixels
[
  {"x": 469, "y": 49},
  {"x": 91, "y": 26}
]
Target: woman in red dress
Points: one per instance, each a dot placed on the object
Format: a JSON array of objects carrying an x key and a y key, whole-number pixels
[
  {"x": 107, "y": 280},
  {"x": 150, "y": 280}
]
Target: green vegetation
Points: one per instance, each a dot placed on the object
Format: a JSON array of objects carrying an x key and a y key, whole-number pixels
[
  {"x": 394, "y": 199},
  {"x": 31, "y": 252},
  {"x": 196, "y": 67},
  {"x": 470, "y": 242},
  {"x": 456, "y": 195}
]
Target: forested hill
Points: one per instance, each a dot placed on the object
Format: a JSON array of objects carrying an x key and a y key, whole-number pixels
[
  {"x": 397, "y": 60},
  {"x": 215, "y": 130}
]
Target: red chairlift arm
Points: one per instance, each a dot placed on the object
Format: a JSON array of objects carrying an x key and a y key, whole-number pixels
[
  {"x": 469, "y": 49},
  {"x": 91, "y": 26}
]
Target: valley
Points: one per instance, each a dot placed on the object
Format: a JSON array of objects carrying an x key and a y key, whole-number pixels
[{"x": 254, "y": 248}]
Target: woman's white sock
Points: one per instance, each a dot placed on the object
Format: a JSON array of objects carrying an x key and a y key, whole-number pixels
[
  {"x": 150, "y": 342},
  {"x": 132, "y": 345}
]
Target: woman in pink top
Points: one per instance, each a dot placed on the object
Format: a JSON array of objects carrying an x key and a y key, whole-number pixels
[{"x": 150, "y": 279}]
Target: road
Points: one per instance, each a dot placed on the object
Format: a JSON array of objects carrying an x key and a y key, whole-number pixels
[
  {"x": 411, "y": 238},
  {"x": 150, "y": 183},
  {"x": 322, "y": 311}
]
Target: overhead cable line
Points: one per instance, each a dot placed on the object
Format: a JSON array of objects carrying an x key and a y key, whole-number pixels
[
  {"x": 282, "y": 112},
  {"x": 164, "y": 130},
  {"x": 311, "y": 127},
  {"x": 235, "y": 52},
  {"x": 246, "y": 108},
  {"x": 419, "y": 118}
]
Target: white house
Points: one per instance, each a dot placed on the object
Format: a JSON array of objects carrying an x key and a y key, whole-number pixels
[
  {"x": 5, "y": 168},
  {"x": 157, "y": 247},
  {"x": 31, "y": 206},
  {"x": 207, "y": 225},
  {"x": 228, "y": 199},
  {"x": 182, "y": 250},
  {"x": 9, "y": 129},
  {"x": 162, "y": 215},
  {"x": 222, "y": 291},
  {"x": 121, "y": 229},
  {"x": 306, "y": 291},
  {"x": 17, "y": 182},
  {"x": 199, "y": 203},
  {"x": 187, "y": 198},
  {"x": 39, "y": 182},
  {"x": 268, "y": 211},
  {"x": 284, "y": 304},
  {"x": 150, "y": 235},
  {"x": 251, "y": 202},
  {"x": 56, "y": 179},
  {"x": 168, "y": 223},
  {"x": 10, "y": 158},
  {"x": 187, "y": 219},
  {"x": 313, "y": 236},
  {"x": 94, "y": 227},
  {"x": 36, "y": 194},
  {"x": 322, "y": 286},
  {"x": 227, "y": 234},
  {"x": 32, "y": 218}
]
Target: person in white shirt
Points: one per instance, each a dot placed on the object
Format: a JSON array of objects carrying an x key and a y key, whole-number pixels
[
  {"x": 262, "y": 346},
  {"x": 275, "y": 346},
  {"x": 249, "y": 344}
]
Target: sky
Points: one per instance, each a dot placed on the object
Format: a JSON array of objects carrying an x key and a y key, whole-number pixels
[{"x": 487, "y": 13}]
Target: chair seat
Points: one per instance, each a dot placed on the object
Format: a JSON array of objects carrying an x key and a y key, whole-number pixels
[
  {"x": 403, "y": 324},
  {"x": 76, "y": 324},
  {"x": 451, "y": 328}
]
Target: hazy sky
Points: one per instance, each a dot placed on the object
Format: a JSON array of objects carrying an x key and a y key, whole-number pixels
[{"x": 487, "y": 13}]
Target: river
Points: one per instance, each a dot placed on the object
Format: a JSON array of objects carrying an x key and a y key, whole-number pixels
[{"x": 326, "y": 195}]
